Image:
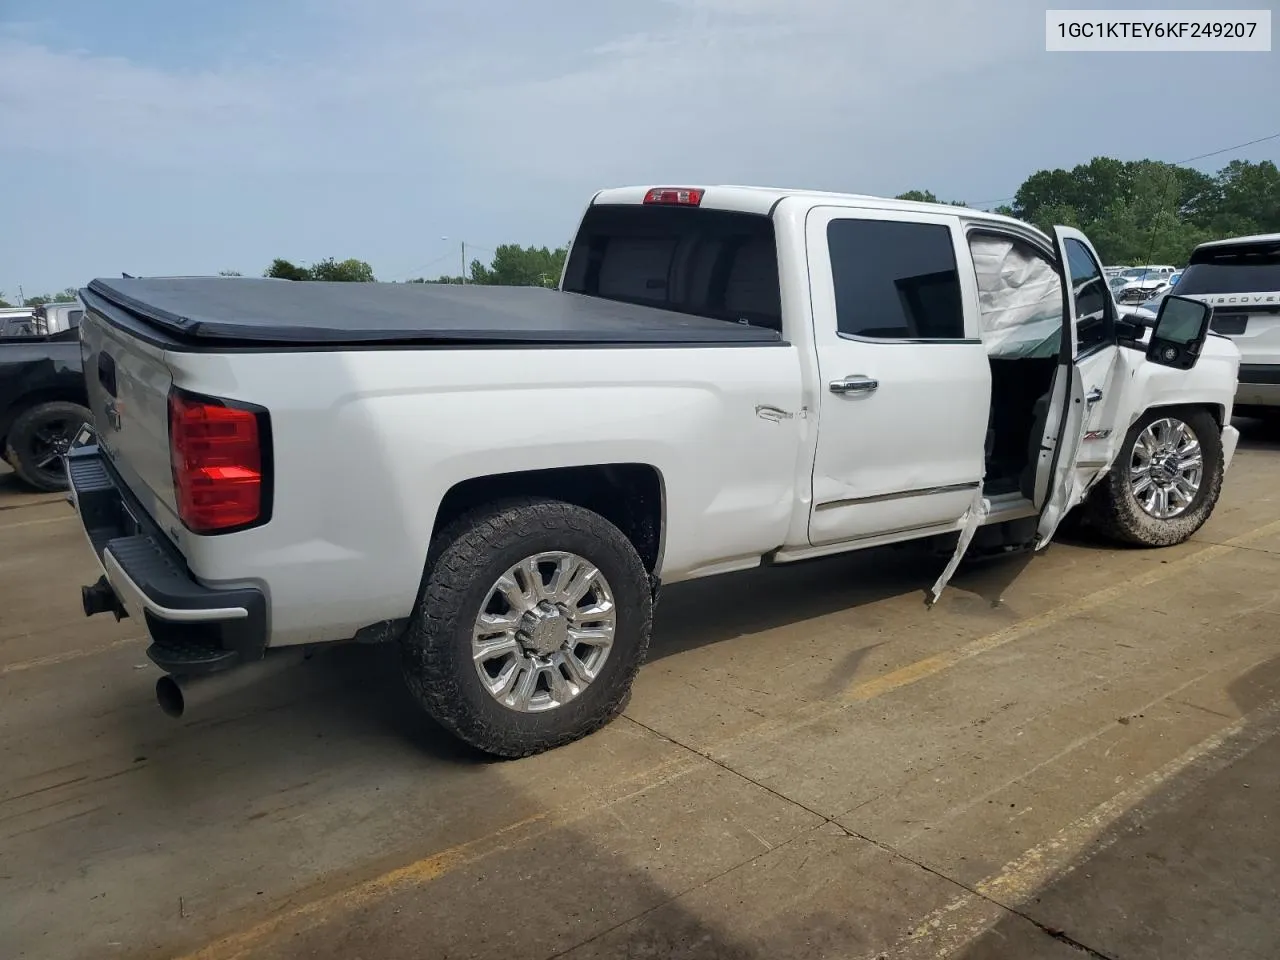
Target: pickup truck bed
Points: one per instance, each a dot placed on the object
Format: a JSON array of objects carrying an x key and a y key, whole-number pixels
[{"x": 214, "y": 312}]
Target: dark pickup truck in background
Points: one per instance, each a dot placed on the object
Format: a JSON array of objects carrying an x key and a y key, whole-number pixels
[{"x": 42, "y": 393}]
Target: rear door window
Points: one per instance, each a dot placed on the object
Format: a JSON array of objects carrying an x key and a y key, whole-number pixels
[{"x": 895, "y": 280}]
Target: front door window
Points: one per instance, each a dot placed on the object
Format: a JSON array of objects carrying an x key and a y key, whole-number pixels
[{"x": 1094, "y": 311}]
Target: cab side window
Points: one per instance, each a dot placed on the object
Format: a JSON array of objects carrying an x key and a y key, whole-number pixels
[
  {"x": 895, "y": 280},
  {"x": 1094, "y": 320}
]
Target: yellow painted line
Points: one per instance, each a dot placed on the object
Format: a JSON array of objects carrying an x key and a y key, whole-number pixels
[
  {"x": 313, "y": 912},
  {"x": 65, "y": 656},
  {"x": 34, "y": 523},
  {"x": 928, "y": 667},
  {"x": 309, "y": 914},
  {"x": 954, "y": 926}
]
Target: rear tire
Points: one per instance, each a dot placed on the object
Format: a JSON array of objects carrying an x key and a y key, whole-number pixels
[
  {"x": 493, "y": 554},
  {"x": 1115, "y": 509},
  {"x": 39, "y": 437}
]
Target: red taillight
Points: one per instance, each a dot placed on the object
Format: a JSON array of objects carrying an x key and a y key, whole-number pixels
[
  {"x": 217, "y": 456},
  {"x": 678, "y": 196}
]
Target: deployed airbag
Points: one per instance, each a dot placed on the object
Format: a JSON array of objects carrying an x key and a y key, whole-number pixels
[{"x": 1020, "y": 297}]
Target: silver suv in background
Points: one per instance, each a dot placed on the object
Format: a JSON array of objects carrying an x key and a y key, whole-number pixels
[
  {"x": 1240, "y": 278},
  {"x": 42, "y": 320}
]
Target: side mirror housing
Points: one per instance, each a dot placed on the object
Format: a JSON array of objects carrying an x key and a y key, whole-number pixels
[
  {"x": 1133, "y": 325},
  {"x": 1180, "y": 330}
]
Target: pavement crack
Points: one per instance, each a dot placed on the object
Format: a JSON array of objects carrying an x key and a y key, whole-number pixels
[
  {"x": 1060, "y": 935},
  {"x": 737, "y": 773},
  {"x": 1196, "y": 706},
  {"x": 1063, "y": 937},
  {"x": 1239, "y": 546}
]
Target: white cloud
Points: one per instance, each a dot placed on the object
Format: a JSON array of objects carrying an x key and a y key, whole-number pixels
[
  {"x": 738, "y": 85},
  {"x": 711, "y": 77},
  {"x": 373, "y": 128}
]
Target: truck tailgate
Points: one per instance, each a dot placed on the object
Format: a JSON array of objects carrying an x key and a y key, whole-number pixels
[{"x": 128, "y": 382}]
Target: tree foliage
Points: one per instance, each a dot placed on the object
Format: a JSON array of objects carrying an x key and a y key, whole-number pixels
[
  {"x": 286, "y": 270},
  {"x": 62, "y": 296},
  {"x": 928, "y": 196},
  {"x": 1145, "y": 211},
  {"x": 514, "y": 266},
  {"x": 348, "y": 271},
  {"x": 1149, "y": 212},
  {"x": 345, "y": 271}
]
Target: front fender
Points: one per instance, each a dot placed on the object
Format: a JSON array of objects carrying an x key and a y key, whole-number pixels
[{"x": 1211, "y": 383}]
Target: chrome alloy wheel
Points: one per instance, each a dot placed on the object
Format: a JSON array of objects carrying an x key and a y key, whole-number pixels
[
  {"x": 1166, "y": 468},
  {"x": 544, "y": 632}
]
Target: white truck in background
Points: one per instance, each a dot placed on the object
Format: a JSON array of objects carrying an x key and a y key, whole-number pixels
[{"x": 499, "y": 479}]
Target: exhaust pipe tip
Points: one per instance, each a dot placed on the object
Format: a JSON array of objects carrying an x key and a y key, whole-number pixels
[
  {"x": 169, "y": 696},
  {"x": 176, "y": 693}
]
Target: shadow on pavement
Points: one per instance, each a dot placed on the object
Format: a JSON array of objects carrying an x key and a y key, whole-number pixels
[
  {"x": 700, "y": 613},
  {"x": 1258, "y": 434},
  {"x": 15, "y": 494},
  {"x": 1192, "y": 872}
]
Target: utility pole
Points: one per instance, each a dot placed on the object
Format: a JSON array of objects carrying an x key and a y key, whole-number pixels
[
  {"x": 22, "y": 300},
  {"x": 464, "y": 262}
]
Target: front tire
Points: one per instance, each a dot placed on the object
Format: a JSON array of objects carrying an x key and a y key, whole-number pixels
[
  {"x": 532, "y": 625},
  {"x": 38, "y": 439},
  {"x": 1165, "y": 482}
]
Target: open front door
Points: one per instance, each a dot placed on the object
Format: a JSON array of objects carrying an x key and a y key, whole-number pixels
[
  {"x": 1074, "y": 443},
  {"x": 1056, "y": 473},
  {"x": 1082, "y": 380}
]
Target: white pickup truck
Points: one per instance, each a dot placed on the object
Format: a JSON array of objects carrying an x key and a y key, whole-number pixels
[{"x": 498, "y": 479}]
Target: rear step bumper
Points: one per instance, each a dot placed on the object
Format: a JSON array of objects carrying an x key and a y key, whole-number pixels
[{"x": 194, "y": 629}]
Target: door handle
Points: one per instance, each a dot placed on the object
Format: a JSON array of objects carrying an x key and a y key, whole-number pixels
[
  {"x": 857, "y": 383},
  {"x": 1093, "y": 396}
]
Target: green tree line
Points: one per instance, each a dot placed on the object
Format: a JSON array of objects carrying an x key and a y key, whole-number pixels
[
  {"x": 1145, "y": 211},
  {"x": 1134, "y": 211},
  {"x": 512, "y": 266},
  {"x": 63, "y": 296}
]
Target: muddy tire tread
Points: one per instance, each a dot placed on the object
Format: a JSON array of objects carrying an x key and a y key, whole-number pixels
[
  {"x": 1112, "y": 510},
  {"x": 442, "y": 680}
]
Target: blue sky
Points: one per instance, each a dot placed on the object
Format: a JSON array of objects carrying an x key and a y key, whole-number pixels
[{"x": 166, "y": 138}]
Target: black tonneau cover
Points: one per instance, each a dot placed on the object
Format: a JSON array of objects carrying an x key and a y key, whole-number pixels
[{"x": 241, "y": 309}]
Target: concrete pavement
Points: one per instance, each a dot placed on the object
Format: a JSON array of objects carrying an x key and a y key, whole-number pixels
[{"x": 1051, "y": 763}]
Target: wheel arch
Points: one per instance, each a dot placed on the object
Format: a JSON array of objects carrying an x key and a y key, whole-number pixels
[
  {"x": 631, "y": 496},
  {"x": 1215, "y": 410}
]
